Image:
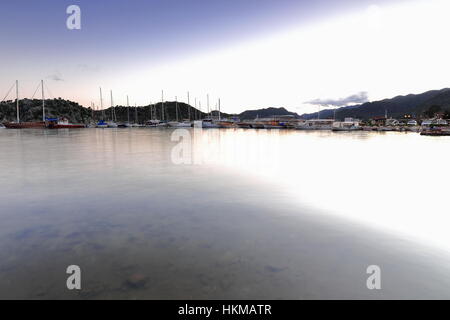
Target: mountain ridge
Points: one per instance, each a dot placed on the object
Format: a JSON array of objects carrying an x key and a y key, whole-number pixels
[{"x": 415, "y": 105}]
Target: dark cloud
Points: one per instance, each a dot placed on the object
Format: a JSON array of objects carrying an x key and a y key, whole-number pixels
[
  {"x": 88, "y": 68},
  {"x": 357, "y": 98},
  {"x": 55, "y": 77}
]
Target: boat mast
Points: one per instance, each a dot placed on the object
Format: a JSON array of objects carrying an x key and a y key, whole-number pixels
[
  {"x": 162, "y": 105},
  {"x": 128, "y": 108},
  {"x": 219, "y": 109},
  {"x": 152, "y": 111},
  {"x": 207, "y": 106},
  {"x": 189, "y": 108},
  {"x": 101, "y": 104},
  {"x": 43, "y": 101},
  {"x": 176, "y": 107},
  {"x": 195, "y": 110},
  {"x": 135, "y": 113},
  {"x": 112, "y": 107},
  {"x": 17, "y": 101}
]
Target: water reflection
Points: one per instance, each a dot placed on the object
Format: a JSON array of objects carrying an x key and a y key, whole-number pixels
[{"x": 264, "y": 214}]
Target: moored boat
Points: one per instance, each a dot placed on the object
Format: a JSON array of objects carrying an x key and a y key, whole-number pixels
[
  {"x": 436, "y": 131},
  {"x": 24, "y": 125},
  {"x": 54, "y": 123},
  {"x": 208, "y": 123},
  {"x": 27, "y": 125},
  {"x": 349, "y": 124},
  {"x": 102, "y": 124}
]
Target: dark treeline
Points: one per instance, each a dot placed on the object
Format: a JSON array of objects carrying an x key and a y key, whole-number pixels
[{"x": 31, "y": 110}]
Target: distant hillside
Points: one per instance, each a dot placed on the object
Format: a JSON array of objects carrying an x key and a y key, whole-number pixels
[
  {"x": 414, "y": 104},
  {"x": 31, "y": 110},
  {"x": 263, "y": 113}
]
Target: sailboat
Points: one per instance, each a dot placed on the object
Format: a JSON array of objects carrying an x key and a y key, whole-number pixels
[
  {"x": 208, "y": 121},
  {"x": 102, "y": 124},
  {"x": 162, "y": 123},
  {"x": 25, "y": 125},
  {"x": 112, "y": 123},
  {"x": 126, "y": 124},
  {"x": 177, "y": 124},
  {"x": 136, "y": 122}
]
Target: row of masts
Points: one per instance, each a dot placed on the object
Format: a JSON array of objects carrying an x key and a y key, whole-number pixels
[{"x": 153, "y": 111}]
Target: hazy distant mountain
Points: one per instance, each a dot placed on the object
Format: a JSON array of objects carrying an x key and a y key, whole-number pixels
[
  {"x": 414, "y": 104},
  {"x": 267, "y": 112}
]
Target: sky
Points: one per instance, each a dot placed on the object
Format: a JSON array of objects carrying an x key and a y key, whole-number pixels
[{"x": 301, "y": 55}]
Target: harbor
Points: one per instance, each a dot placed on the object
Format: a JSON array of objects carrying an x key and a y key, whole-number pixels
[{"x": 158, "y": 116}]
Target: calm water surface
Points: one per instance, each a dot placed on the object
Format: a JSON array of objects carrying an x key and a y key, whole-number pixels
[{"x": 248, "y": 215}]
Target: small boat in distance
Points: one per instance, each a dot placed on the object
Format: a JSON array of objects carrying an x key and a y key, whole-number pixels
[
  {"x": 102, "y": 124},
  {"x": 435, "y": 131},
  {"x": 208, "y": 123},
  {"x": 55, "y": 123},
  {"x": 349, "y": 124},
  {"x": 316, "y": 124},
  {"x": 152, "y": 123}
]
